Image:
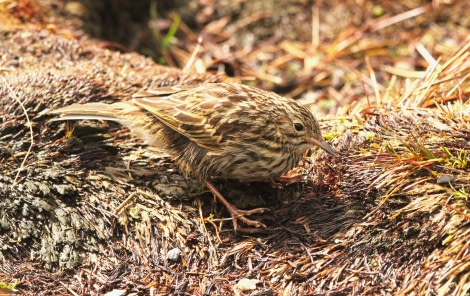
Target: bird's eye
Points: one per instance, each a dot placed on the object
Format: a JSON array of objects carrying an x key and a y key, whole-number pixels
[{"x": 298, "y": 126}]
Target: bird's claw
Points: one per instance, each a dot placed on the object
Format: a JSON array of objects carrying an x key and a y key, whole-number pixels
[{"x": 238, "y": 214}]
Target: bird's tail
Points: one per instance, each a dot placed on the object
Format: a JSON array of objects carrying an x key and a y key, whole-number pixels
[
  {"x": 97, "y": 111},
  {"x": 140, "y": 122}
]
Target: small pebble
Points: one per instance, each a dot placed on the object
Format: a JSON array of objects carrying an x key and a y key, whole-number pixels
[
  {"x": 445, "y": 179},
  {"x": 173, "y": 254}
]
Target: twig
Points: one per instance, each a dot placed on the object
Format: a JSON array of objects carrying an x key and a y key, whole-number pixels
[{"x": 30, "y": 131}]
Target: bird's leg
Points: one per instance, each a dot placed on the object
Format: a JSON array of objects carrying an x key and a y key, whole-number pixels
[
  {"x": 290, "y": 178},
  {"x": 277, "y": 182},
  {"x": 236, "y": 213}
]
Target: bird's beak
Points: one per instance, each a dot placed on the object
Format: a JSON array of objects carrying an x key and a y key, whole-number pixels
[{"x": 323, "y": 145}]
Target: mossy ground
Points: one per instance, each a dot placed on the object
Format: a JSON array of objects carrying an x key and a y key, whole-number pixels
[{"x": 90, "y": 209}]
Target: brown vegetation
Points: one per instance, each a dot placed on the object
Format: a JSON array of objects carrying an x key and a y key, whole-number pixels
[{"x": 89, "y": 209}]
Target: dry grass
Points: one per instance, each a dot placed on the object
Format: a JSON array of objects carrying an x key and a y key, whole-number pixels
[{"x": 98, "y": 211}]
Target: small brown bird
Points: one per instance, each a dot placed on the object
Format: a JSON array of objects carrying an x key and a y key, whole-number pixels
[{"x": 231, "y": 131}]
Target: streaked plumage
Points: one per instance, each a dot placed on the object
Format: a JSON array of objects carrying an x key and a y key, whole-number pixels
[{"x": 231, "y": 131}]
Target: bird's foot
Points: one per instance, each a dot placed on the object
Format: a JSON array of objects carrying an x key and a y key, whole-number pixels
[{"x": 235, "y": 212}]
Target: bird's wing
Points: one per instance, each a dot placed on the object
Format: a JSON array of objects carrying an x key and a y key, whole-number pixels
[
  {"x": 161, "y": 91},
  {"x": 197, "y": 114}
]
